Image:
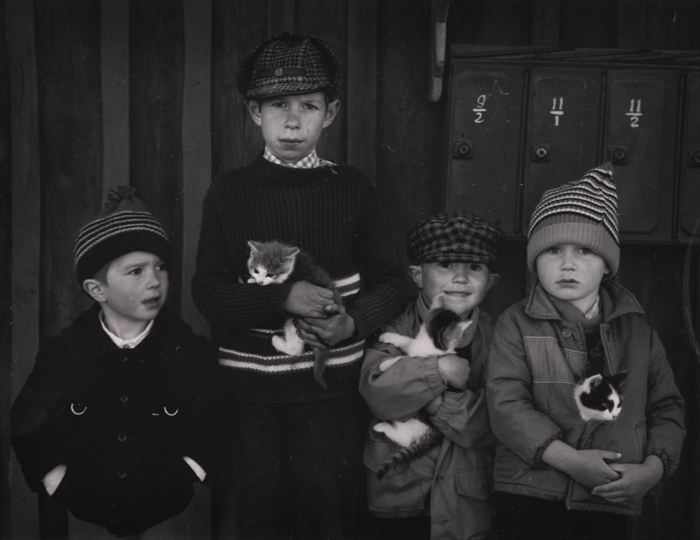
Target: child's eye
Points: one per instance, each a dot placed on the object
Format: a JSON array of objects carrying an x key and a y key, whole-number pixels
[
  {"x": 278, "y": 104},
  {"x": 554, "y": 250},
  {"x": 445, "y": 265},
  {"x": 584, "y": 251},
  {"x": 476, "y": 267},
  {"x": 311, "y": 106},
  {"x": 162, "y": 267},
  {"x": 136, "y": 271}
]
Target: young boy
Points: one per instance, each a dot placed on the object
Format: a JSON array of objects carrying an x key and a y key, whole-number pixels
[
  {"x": 110, "y": 422},
  {"x": 556, "y": 475},
  {"x": 443, "y": 493},
  {"x": 297, "y": 444}
]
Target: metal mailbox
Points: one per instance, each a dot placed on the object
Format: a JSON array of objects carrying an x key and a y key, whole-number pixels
[
  {"x": 689, "y": 166},
  {"x": 641, "y": 120},
  {"x": 485, "y": 118},
  {"x": 563, "y": 129}
]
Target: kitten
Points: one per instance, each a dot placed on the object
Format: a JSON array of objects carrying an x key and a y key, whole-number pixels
[
  {"x": 275, "y": 262},
  {"x": 439, "y": 334},
  {"x": 599, "y": 397}
]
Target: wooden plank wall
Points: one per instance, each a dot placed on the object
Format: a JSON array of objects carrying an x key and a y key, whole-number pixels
[{"x": 104, "y": 92}]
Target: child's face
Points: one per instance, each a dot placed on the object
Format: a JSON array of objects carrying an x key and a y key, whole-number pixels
[
  {"x": 463, "y": 285},
  {"x": 134, "y": 290},
  {"x": 571, "y": 272},
  {"x": 292, "y": 125}
]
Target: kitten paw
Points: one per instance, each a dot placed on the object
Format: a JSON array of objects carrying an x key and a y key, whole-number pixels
[{"x": 291, "y": 348}]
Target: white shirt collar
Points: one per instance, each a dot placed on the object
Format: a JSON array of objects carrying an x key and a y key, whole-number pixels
[{"x": 125, "y": 343}]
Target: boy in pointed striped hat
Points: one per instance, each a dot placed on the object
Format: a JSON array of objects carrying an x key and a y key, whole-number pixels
[
  {"x": 556, "y": 359},
  {"x": 110, "y": 422}
]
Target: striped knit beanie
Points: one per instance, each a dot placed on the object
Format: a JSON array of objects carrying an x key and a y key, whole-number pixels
[
  {"x": 125, "y": 225},
  {"x": 288, "y": 65},
  {"x": 582, "y": 212}
]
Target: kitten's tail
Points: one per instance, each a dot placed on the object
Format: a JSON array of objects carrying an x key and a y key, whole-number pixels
[
  {"x": 430, "y": 439},
  {"x": 320, "y": 360}
]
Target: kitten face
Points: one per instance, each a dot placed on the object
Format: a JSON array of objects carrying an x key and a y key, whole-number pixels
[
  {"x": 270, "y": 262},
  {"x": 599, "y": 397}
]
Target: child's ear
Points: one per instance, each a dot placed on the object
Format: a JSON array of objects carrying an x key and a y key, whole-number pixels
[
  {"x": 332, "y": 110},
  {"x": 416, "y": 273},
  {"x": 254, "y": 111},
  {"x": 95, "y": 289},
  {"x": 493, "y": 280}
]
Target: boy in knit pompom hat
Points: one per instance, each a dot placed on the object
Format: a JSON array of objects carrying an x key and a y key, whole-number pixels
[
  {"x": 558, "y": 476},
  {"x": 298, "y": 445},
  {"x": 110, "y": 423},
  {"x": 442, "y": 494}
]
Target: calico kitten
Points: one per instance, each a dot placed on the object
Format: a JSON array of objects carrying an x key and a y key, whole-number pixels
[
  {"x": 599, "y": 397},
  {"x": 439, "y": 334},
  {"x": 276, "y": 262}
]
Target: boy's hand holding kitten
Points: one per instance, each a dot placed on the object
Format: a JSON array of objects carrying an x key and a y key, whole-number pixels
[{"x": 454, "y": 370}]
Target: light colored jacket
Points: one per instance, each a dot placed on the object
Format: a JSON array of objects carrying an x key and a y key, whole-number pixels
[
  {"x": 454, "y": 477},
  {"x": 535, "y": 361}
]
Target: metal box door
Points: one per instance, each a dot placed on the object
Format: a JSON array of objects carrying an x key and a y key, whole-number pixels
[
  {"x": 642, "y": 108},
  {"x": 563, "y": 130},
  {"x": 485, "y": 122},
  {"x": 689, "y": 192}
]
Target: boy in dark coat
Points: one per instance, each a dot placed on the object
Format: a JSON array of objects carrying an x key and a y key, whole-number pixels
[
  {"x": 297, "y": 455},
  {"x": 110, "y": 422}
]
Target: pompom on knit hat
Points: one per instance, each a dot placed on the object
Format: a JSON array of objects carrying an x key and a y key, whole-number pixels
[
  {"x": 582, "y": 212},
  {"x": 444, "y": 238},
  {"x": 289, "y": 64},
  {"x": 124, "y": 225}
]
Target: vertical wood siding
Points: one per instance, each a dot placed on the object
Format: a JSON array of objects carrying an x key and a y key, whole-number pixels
[{"x": 105, "y": 92}]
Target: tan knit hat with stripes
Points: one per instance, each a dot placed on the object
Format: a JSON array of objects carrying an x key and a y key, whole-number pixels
[{"x": 582, "y": 212}]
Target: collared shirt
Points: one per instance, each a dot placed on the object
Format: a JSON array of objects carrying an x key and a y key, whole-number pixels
[
  {"x": 309, "y": 162},
  {"x": 129, "y": 343}
]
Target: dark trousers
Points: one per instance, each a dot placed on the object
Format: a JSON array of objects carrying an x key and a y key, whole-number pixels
[
  {"x": 522, "y": 518},
  {"x": 413, "y": 528},
  {"x": 296, "y": 472}
]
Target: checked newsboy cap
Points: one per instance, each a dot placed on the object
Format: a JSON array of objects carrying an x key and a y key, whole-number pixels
[
  {"x": 124, "y": 225},
  {"x": 444, "y": 238},
  {"x": 287, "y": 65}
]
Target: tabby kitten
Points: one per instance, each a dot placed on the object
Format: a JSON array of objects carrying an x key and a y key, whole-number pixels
[{"x": 275, "y": 262}]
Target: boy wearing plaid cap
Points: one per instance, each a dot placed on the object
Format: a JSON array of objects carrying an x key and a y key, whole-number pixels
[
  {"x": 110, "y": 422},
  {"x": 298, "y": 444},
  {"x": 557, "y": 475},
  {"x": 442, "y": 493}
]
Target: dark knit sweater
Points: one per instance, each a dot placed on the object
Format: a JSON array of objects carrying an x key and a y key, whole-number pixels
[{"x": 330, "y": 213}]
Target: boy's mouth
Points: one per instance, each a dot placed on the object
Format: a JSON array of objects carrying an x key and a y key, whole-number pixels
[
  {"x": 153, "y": 302},
  {"x": 567, "y": 282}
]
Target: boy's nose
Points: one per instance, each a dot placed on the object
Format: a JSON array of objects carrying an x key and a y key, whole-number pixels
[
  {"x": 292, "y": 119},
  {"x": 461, "y": 273},
  {"x": 568, "y": 260}
]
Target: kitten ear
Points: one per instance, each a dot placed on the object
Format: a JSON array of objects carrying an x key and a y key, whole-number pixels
[
  {"x": 254, "y": 246},
  {"x": 291, "y": 251},
  {"x": 594, "y": 380},
  {"x": 617, "y": 379}
]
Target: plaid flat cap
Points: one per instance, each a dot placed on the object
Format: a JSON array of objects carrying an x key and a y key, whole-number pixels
[
  {"x": 289, "y": 65},
  {"x": 445, "y": 238}
]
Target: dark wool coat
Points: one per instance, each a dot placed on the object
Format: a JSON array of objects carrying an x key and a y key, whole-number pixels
[{"x": 121, "y": 420}]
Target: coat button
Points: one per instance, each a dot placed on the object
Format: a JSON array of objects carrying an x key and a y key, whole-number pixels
[
  {"x": 122, "y": 437},
  {"x": 122, "y": 475},
  {"x": 124, "y": 399},
  {"x": 567, "y": 333},
  {"x": 124, "y": 359}
]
